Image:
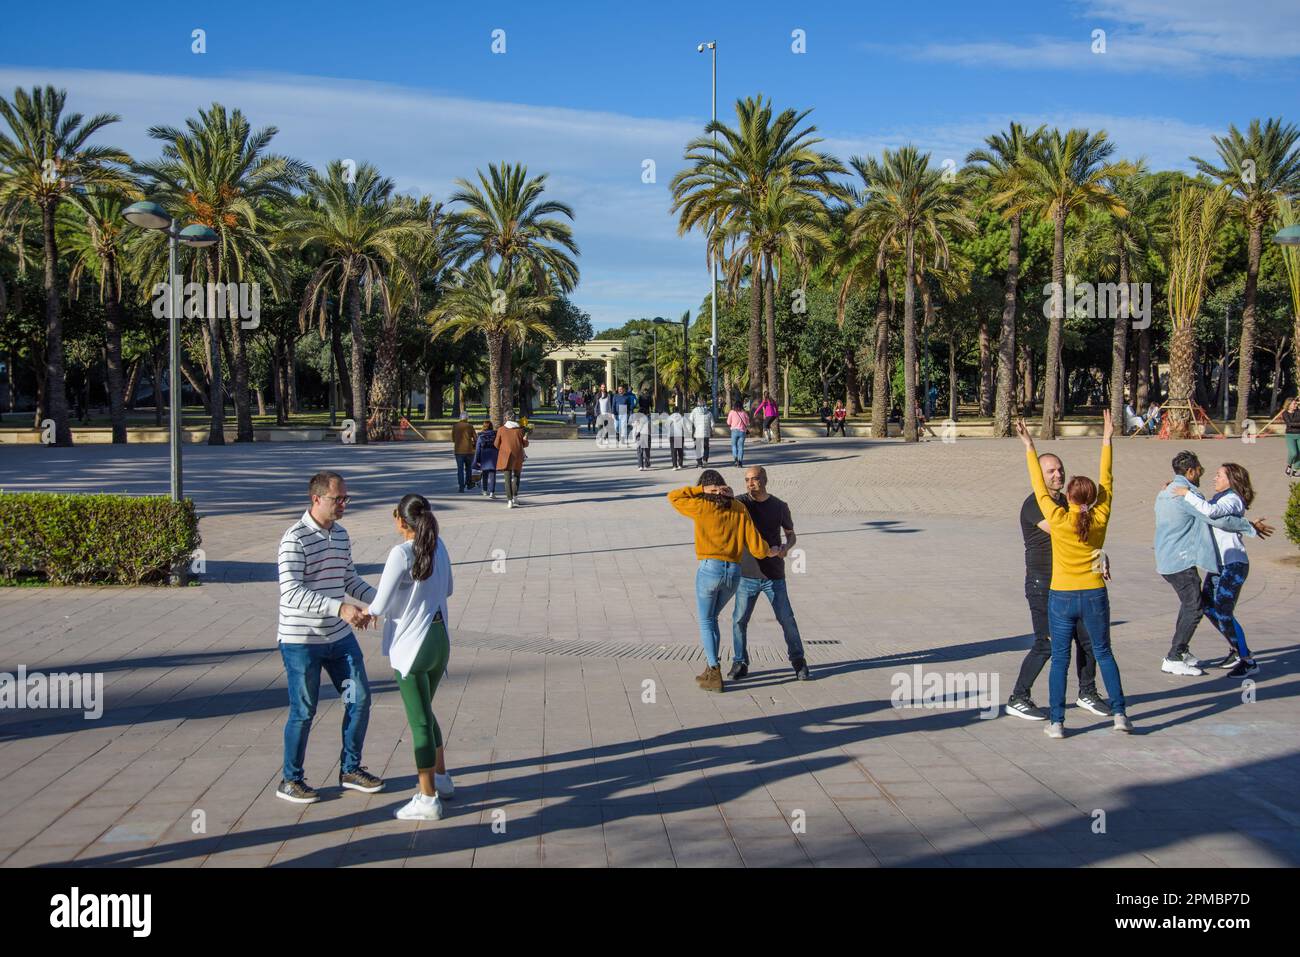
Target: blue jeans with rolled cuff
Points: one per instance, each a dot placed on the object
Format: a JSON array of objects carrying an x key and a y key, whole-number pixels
[
  {"x": 1091, "y": 608},
  {"x": 715, "y": 584}
]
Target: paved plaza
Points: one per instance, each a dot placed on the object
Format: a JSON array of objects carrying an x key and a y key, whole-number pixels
[{"x": 576, "y": 734}]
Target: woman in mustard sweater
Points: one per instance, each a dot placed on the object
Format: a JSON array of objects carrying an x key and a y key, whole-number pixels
[
  {"x": 1078, "y": 590},
  {"x": 723, "y": 529}
]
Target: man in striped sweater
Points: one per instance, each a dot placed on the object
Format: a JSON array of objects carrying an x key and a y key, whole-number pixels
[{"x": 315, "y": 632}]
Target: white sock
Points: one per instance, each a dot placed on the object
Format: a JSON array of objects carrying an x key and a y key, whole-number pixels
[{"x": 426, "y": 798}]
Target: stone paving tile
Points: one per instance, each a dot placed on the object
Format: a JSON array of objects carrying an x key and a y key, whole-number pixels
[{"x": 585, "y": 771}]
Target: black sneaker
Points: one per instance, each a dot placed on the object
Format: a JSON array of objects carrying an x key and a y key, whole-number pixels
[
  {"x": 1024, "y": 707},
  {"x": 800, "y": 667},
  {"x": 297, "y": 792},
  {"x": 739, "y": 669},
  {"x": 1091, "y": 701},
  {"x": 1244, "y": 669},
  {"x": 361, "y": 780},
  {"x": 1230, "y": 661}
]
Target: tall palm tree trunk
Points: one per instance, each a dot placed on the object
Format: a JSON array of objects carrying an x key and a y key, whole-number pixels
[
  {"x": 384, "y": 389},
  {"x": 1054, "y": 327},
  {"x": 880, "y": 366},
  {"x": 909, "y": 343},
  {"x": 239, "y": 366},
  {"x": 769, "y": 316},
  {"x": 1182, "y": 361},
  {"x": 850, "y": 381},
  {"x": 1119, "y": 346},
  {"x": 358, "y": 361},
  {"x": 754, "y": 361},
  {"x": 498, "y": 356},
  {"x": 56, "y": 399},
  {"x": 342, "y": 383},
  {"x": 216, "y": 396},
  {"x": 1143, "y": 390},
  {"x": 1247, "y": 355},
  {"x": 986, "y": 369},
  {"x": 113, "y": 350},
  {"x": 1006, "y": 376}
]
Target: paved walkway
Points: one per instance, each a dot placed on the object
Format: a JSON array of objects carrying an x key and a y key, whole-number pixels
[{"x": 576, "y": 733}]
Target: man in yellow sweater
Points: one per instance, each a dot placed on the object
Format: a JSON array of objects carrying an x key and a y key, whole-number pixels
[{"x": 723, "y": 529}]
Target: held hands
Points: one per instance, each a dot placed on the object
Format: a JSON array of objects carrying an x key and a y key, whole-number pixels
[{"x": 355, "y": 617}]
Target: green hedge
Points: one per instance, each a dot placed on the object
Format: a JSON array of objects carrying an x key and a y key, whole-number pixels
[
  {"x": 1293, "y": 515},
  {"x": 94, "y": 539}
]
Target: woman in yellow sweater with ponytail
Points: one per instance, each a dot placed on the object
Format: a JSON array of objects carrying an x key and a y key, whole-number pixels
[
  {"x": 723, "y": 529},
  {"x": 1078, "y": 589}
]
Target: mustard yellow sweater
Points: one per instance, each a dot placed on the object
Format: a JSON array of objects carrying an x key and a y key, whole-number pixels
[
  {"x": 1076, "y": 565},
  {"x": 719, "y": 533}
]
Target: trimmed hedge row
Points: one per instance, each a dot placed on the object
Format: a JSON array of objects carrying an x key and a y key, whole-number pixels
[{"x": 78, "y": 539}]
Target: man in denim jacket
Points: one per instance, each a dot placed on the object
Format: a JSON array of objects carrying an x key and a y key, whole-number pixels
[{"x": 1184, "y": 545}]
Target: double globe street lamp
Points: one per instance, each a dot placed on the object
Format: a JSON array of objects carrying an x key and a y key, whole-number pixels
[{"x": 148, "y": 215}]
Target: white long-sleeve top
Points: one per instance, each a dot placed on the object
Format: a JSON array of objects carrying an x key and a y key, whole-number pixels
[
  {"x": 1227, "y": 502},
  {"x": 408, "y": 606}
]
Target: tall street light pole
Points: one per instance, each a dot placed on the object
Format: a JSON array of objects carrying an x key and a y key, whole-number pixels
[
  {"x": 149, "y": 215},
  {"x": 712, "y": 46}
]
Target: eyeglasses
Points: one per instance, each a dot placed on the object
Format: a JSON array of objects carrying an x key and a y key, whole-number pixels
[{"x": 341, "y": 499}]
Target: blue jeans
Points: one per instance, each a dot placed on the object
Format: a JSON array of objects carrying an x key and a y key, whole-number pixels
[
  {"x": 746, "y": 598},
  {"x": 1066, "y": 609},
  {"x": 715, "y": 583},
  {"x": 343, "y": 662},
  {"x": 489, "y": 481},
  {"x": 464, "y": 469},
  {"x": 738, "y": 444}
]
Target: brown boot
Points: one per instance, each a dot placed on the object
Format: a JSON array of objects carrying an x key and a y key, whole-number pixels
[
  {"x": 703, "y": 676},
  {"x": 712, "y": 679}
]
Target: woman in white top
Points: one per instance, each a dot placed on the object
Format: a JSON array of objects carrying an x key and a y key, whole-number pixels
[
  {"x": 1233, "y": 495},
  {"x": 412, "y": 597}
]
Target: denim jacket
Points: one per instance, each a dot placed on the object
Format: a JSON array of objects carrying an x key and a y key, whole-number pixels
[{"x": 1183, "y": 537}]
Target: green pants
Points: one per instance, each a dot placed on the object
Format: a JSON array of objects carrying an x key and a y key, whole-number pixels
[
  {"x": 1293, "y": 449},
  {"x": 417, "y": 690}
]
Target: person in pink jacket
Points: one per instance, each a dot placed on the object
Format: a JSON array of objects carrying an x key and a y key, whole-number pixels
[
  {"x": 738, "y": 422},
  {"x": 766, "y": 414}
]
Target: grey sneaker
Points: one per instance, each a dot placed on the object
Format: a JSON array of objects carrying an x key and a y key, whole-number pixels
[
  {"x": 1054, "y": 730},
  {"x": 361, "y": 780},
  {"x": 297, "y": 792},
  {"x": 1095, "y": 703},
  {"x": 1122, "y": 723}
]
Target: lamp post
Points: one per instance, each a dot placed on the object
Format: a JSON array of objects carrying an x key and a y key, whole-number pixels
[
  {"x": 712, "y": 47},
  {"x": 149, "y": 215}
]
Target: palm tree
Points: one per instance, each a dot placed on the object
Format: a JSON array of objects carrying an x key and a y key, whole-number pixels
[
  {"x": 1063, "y": 174},
  {"x": 1258, "y": 168},
  {"x": 217, "y": 173},
  {"x": 360, "y": 233},
  {"x": 44, "y": 158},
  {"x": 913, "y": 204},
  {"x": 783, "y": 221},
  {"x": 1116, "y": 248},
  {"x": 504, "y": 306},
  {"x": 1001, "y": 169},
  {"x": 729, "y": 178},
  {"x": 1195, "y": 218},
  {"x": 90, "y": 226},
  {"x": 1288, "y": 215}
]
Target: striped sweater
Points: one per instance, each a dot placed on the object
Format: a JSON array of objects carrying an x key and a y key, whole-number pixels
[{"x": 316, "y": 572}]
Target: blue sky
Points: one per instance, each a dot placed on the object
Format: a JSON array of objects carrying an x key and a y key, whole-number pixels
[{"x": 587, "y": 91}]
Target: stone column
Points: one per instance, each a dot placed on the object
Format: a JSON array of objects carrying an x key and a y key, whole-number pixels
[
  {"x": 559, "y": 376},
  {"x": 609, "y": 374}
]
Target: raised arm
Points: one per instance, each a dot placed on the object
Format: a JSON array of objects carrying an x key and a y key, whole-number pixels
[
  {"x": 1046, "y": 504},
  {"x": 1105, "y": 473},
  {"x": 687, "y": 500}
]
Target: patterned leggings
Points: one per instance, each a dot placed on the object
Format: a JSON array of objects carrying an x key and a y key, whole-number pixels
[{"x": 1219, "y": 593}]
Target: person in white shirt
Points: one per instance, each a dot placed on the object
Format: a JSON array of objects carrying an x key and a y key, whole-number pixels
[
  {"x": 1233, "y": 495},
  {"x": 412, "y": 598},
  {"x": 701, "y": 429}
]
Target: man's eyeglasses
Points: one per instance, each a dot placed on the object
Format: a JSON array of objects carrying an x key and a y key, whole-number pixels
[{"x": 341, "y": 499}]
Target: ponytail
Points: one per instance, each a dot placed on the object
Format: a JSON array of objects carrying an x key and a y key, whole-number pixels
[
  {"x": 418, "y": 516},
  {"x": 1082, "y": 491}
]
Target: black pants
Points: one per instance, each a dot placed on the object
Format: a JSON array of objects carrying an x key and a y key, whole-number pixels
[
  {"x": 1191, "y": 608},
  {"x": 643, "y": 455},
  {"x": 679, "y": 456},
  {"x": 1040, "y": 653},
  {"x": 837, "y": 426}
]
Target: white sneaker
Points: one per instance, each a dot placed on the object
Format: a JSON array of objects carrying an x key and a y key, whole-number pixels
[
  {"x": 1190, "y": 661},
  {"x": 1054, "y": 730},
  {"x": 493, "y": 496},
  {"x": 1122, "y": 723},
  {"x": 1180, "y": 668},
  {"x": 421, "y": 808},
  {"x": 445, "y": 786},
  {"x": 510, "y": 503}
]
